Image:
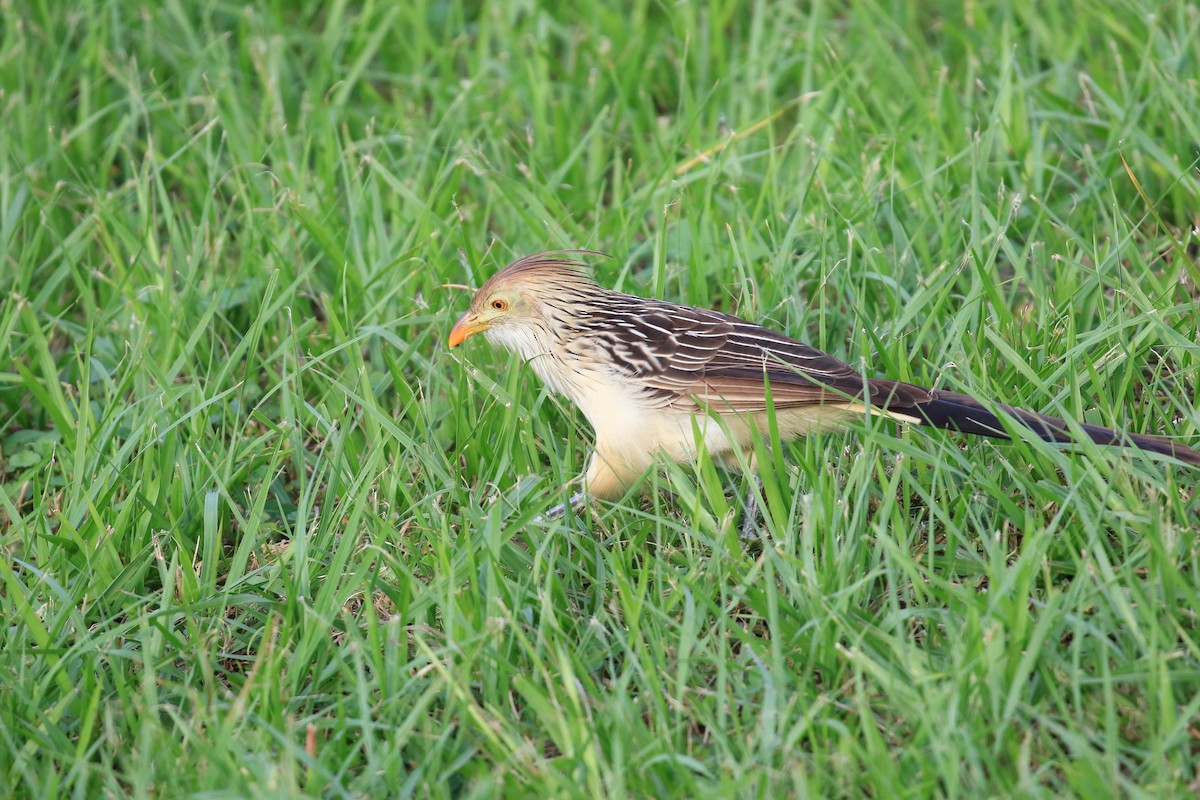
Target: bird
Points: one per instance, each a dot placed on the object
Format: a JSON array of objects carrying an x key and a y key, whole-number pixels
[{"x": 657, "y": 379}]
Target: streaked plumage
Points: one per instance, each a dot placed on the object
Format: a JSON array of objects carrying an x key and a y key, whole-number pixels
[{"x": 647, "y": 374}]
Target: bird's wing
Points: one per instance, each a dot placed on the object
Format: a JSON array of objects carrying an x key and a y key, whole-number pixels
[{"x": 689, "y": 358}]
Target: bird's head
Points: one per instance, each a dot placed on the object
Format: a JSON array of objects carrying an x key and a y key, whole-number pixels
[{"x": 521, "y": 298}]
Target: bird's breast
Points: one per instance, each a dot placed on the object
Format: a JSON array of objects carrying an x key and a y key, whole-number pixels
[{"x": 627, "y": 424}]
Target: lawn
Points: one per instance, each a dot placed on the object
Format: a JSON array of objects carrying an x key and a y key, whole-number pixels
[{"x": 265, "y": 535}]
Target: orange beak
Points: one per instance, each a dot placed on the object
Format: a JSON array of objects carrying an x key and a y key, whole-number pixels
[{"x": 468, "y": 325}]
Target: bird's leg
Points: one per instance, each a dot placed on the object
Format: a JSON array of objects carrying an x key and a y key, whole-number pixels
[
  {"x": 750, "y": 528},
  {"x": 577, "y": 503}
]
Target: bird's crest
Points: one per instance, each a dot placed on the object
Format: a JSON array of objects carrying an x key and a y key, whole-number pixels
[{"x": 554, "y": 266}]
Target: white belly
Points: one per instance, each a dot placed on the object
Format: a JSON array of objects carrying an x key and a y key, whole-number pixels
[{"x": 626, "y": 428}]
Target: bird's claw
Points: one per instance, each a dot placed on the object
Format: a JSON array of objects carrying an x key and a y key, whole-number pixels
[
  {"x": 751, "y": 532},
  {"x": 577, "y": 503}
]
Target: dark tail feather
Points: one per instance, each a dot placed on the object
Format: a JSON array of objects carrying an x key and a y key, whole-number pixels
[{"x": 960, "y": 412}]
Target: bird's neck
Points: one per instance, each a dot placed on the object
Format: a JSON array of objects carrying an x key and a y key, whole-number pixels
[{"x": 550, "y": 358}]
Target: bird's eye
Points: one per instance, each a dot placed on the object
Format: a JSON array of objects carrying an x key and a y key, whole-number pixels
[{"x": 499, "y": 305}]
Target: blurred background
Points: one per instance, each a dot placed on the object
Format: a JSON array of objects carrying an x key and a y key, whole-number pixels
[{"x": 265, "y": 536}]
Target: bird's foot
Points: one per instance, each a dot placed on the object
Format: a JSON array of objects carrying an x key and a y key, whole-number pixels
[
  {"x": 751, "y": 532},
  {"x": 577, "y": 503}
]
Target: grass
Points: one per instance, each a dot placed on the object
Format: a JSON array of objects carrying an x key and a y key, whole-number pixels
[{"x": 265, "y": 536}]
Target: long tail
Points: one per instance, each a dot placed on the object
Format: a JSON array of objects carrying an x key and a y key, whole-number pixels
[{"x": 960, "y": 412}]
